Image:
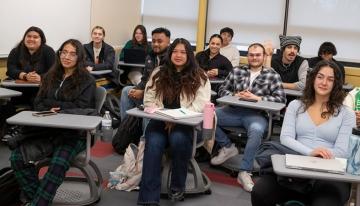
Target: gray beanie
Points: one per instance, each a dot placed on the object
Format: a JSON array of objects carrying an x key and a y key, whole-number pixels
[{"x": 288, "y": 40}]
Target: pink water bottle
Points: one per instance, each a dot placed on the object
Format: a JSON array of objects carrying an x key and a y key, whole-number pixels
[{"x": 208, "y": 121}]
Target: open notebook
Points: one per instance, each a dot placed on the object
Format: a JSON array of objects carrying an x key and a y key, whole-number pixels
[
  {"x": 337, "y": 165},
  {"x": 179, "y": 113}
]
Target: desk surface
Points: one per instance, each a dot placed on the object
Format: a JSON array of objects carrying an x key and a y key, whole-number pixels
[
  {"x": 293, "y": 92},
  {"x": 64, "y": 121},
  {"x": 122, "y": 63},
  {"x": 216, "y": 80},
  {"x": 278, "y": 162},
  {"x": 188, "y": 121},
  {"x": 101, "y": 72},
  {"x": 11, "y": 83},
  {"x": 261, "y": 105},
  {"x": 5, "y": 93}
]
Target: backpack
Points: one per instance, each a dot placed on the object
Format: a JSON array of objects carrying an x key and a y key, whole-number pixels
[
  {"x": 129, "y": 131},
  {"x": 9, "y": 187},
  {"x": 128, "y": 175},
  {"x": 112, "y": 104}
]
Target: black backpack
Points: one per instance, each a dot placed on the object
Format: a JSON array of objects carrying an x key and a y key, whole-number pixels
[
  {"x": 9, "y": 187},
  {"x": 129, "y": 131},
  {"x": 112, "y": 104}
]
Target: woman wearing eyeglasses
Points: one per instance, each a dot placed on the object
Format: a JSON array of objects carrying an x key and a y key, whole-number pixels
[{"x": 66, "y": 88}]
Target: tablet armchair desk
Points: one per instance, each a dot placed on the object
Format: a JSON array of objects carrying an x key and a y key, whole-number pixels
[
  {"x": 269, "y": 107},
  {"x": 66, "y": 194},
  {"x": 201, "y": 181},
  {"x": 7, "y": 93},
  {"x": 278, "y": 162}
]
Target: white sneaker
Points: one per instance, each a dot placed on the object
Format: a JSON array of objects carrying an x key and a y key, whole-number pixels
[
  {"x": 244, "y": 179},
  {"x": 224, "y": 154}
]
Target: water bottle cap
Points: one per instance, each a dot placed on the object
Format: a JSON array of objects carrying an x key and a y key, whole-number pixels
[{"x": 356, "y": 131}]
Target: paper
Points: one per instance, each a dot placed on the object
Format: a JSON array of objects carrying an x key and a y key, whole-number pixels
[{"x": 180, "y": 113}]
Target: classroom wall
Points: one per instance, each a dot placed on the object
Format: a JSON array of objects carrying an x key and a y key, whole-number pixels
[{"x": 118, "y": 21}]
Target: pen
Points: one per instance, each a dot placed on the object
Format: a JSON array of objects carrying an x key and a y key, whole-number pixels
[{"x": 182, "y": 111}]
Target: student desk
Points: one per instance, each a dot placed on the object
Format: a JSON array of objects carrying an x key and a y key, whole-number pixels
[
  {"x": 81, "y": 192},
  {"x": 269, "y": 107},
  {"x": 101, "y": 72},
  {"x": 201, "y": 182},
  {"x": 216, "y": 80},
  {"x": 293, "y": 92},
  {"x": 122, "y": 63},
  {"x": 12, "y": 83},
  {"x": 7, "y": 93},
  {"x": 278, "y": 162}
]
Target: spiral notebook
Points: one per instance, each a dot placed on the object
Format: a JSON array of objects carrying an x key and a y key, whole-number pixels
[{"x": 180, "y": 113}]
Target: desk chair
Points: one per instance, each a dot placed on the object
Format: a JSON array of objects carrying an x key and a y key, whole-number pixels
[
  {"x": 196, "y": 181},
  {"x": 82, "y": 190}
]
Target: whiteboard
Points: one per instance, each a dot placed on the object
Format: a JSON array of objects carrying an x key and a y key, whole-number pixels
[{"x": 59, "y": 19}]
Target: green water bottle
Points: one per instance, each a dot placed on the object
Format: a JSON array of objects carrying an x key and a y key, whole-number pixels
[{"x": 357, "y": 100}]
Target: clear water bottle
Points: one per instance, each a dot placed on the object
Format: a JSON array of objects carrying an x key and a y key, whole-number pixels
[{"x": 106, "y": 127}]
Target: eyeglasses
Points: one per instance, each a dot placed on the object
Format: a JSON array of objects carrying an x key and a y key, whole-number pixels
[{"x": 71, "y": 55}]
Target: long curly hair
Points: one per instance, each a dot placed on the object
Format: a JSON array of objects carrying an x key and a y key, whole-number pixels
[
  {"x": 337, "y": 94},
  {"x": 191, "y": 76},
  {"x": 57, "y": 71}
]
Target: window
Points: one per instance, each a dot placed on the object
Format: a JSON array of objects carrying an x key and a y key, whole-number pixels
[
  {"x": 179, "y": 16},
  {"x": 252, "y": 21},
  {"x": 327, "y": 20}
]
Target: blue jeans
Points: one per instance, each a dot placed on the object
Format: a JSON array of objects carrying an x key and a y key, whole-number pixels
[
  {"x": 252, "y": 120},
  {"x": 126, "y": 102},
  {"x": 156, "y": 140}
]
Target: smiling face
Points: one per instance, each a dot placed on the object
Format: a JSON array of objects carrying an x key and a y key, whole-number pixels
[
  {"x": 97, "y": 36},
  {"x": 289, "y": 54},
  {"x": 139, "y": 36},
  {"x": 68, "y": 56},
  {"x": 159, "y": 42},
  {"x": 255, "y": 57},
  {"x": 179, "y": 57},
  {"x": 324, "y": 81},
  {"x": 32, "y": 41},
  {"x": 215, "y": 45}
]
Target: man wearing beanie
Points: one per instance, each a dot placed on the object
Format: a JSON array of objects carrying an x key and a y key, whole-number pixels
[{"x": 291, "y": 67}]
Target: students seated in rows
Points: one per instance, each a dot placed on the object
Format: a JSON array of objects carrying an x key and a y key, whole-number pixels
[
  {"x": 29, "y": 61},
  {"x": 99, "y": 55},
  {"x": 291, "y": 67},
  {"x": 227, "y": 49},
  {"x": 215, "y": 64},
  {"x": 253, "y": 81},
  {"x": 67, "y": 88},
  {"x": 133, "y": 95},
  {"x": 179, "y": 82},
  {"x": 327, "y": 51},
  {"x": 138, "y": 41},
  {"x": 316, "y": 125}
]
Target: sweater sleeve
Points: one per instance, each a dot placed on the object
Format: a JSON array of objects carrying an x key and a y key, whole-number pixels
[
  {"x": 288, "y": 130},
  {"x": 340, "y": 148},
  {"x": 127, "y": 46},
  {"x": 13, "y": 70},
  {"x": 302, "y": 73}
]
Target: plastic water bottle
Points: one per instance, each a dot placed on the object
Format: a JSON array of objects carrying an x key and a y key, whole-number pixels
[
  {"x": 353, "y": 163},
  {"x": 357, "y": 100},
  {"x": 208, "y": 122},
  {"x": 106, "y": 127}
]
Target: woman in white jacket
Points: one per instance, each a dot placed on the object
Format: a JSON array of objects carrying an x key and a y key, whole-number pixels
[{"x": 179, "y": 83}]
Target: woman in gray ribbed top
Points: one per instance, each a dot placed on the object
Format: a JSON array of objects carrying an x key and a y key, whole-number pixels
[{"x": 316, "y": 125}]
